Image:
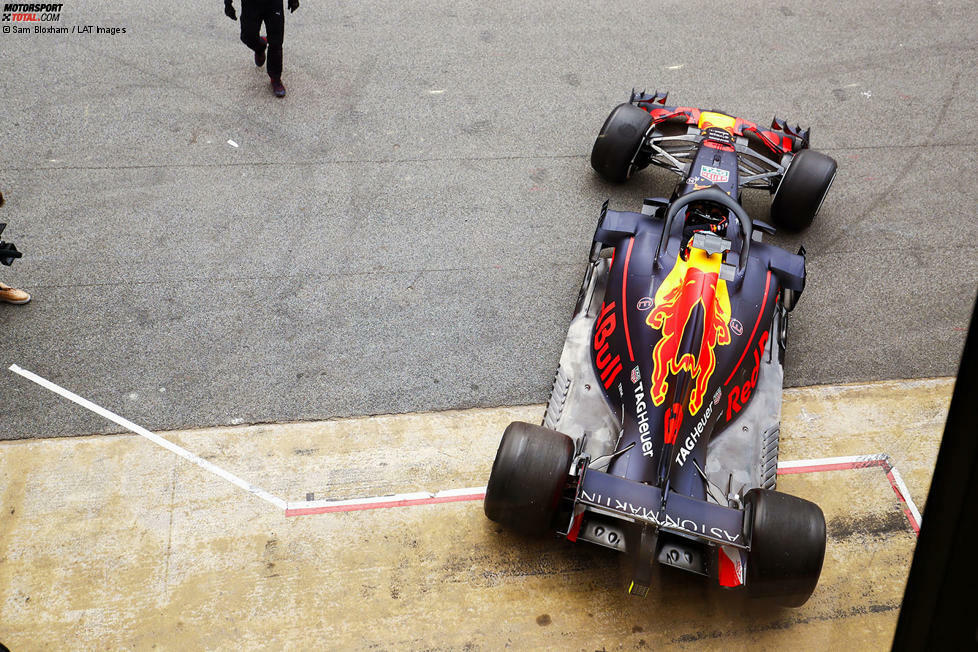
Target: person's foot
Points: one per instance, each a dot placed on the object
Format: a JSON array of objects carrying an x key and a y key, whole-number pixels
[
  {"x": 278, "y": 88},
  {"x": 13, "y": 295},
  {"x": 260, "y": 54}
]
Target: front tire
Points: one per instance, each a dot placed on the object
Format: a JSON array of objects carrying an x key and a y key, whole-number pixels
[
  {"x": 528, "y": 477},
  {"x": 802, "y": 190},
  {"x": 618, "y": 142},
  {"x": 787, "y": 547}
]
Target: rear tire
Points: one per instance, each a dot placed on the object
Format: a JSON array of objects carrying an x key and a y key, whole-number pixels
[
  {"x": 802, "y": 190},
  {"x": 787, "y": 547},
  {"x": 528, "y": 477},
  {"x": 618, "y": 142}
]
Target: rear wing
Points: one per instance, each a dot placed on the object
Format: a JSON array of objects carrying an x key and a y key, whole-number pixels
[{"x": 616, "y": 496}]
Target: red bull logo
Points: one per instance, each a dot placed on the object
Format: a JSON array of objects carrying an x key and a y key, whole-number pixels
[
  {"x": 740, "y": 394},
  {"x": 608, "y": 366},
  {"x": 691, "y": 282}
]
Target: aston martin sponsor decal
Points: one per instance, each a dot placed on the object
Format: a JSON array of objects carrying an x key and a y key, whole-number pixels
[{"x": 658, "y": 517}]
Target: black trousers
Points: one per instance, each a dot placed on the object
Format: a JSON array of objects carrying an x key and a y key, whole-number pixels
[{"x": 270, "y": 12}]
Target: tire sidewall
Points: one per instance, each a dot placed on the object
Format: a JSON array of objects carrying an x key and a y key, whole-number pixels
[
  {"x": 802, "y": 190},
  {"x": 619, "y": 141},
  {"x": 788, "y": 540},
  {"x": 527, "y": 478}
]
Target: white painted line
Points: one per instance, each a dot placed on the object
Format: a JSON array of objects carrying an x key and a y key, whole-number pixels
[
  {"x": 391, "y": 498},
  {"x": 385, "y": 502},
  {"x": 881, "y": 460},
  {"x": 898, "y": 480},
  {"x": 156, "y": 439},
  {"x": 424, "y": 497},
  {"x": 815, "y": 465},
  {"x": 468, "y": 491},
  {"x": 827, "y": 461},
  {"x": 418, "y": 497}
]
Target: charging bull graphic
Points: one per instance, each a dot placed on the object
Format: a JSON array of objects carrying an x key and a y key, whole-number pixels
[{"x": 691, "y": 283}]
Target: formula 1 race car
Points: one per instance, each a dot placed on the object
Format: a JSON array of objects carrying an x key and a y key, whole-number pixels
[
  {"x": 660, "y": 438},
  {"x": 712, "y": 149}
]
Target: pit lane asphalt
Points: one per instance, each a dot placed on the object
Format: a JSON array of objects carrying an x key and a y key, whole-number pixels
[{"x": 408, "y": 228}]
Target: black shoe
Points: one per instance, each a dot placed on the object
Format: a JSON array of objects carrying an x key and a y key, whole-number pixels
[
  {"x": 278, "y": 88},
  {"x": 260, "y": 54}
]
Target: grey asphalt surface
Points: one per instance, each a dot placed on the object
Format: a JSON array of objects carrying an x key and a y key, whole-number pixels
[{"x": 408, "y": 228}]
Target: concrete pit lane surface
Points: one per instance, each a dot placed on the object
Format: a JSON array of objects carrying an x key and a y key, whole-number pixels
[{"x": 115, "y": 542}]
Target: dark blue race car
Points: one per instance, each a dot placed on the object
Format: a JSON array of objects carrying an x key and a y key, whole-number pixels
[{"x": 660, "y": 438}]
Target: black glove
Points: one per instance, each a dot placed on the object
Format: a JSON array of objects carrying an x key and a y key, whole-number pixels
[
  {"x": 293, "y": 5},
  {"x": 229, "y": 10}
]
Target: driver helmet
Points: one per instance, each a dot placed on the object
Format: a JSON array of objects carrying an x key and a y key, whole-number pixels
[{"x": 703, "y": 216}]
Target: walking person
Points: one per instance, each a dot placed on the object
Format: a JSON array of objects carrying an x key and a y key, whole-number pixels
[{"x": 269, "y": 47}]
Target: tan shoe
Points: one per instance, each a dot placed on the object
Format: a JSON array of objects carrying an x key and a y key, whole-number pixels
[{"x": 13, "y": 295}]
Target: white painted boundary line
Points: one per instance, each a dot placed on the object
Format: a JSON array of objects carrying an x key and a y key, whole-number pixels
[
  {"x": 898, "y": 481},
  {"x": 156, "y": 439},
  {"x": 881, "y": 460},
  {"x": 847, "y": 461},
  {"x": 306, "y": 508},
  {"x": 303, "y": 508}
]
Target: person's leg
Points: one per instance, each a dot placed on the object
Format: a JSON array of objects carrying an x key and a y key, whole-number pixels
[
  {"x": 260, "y": 54},
  {"x": 251, "y": 16},
  {"x": 274, "y": 17}
]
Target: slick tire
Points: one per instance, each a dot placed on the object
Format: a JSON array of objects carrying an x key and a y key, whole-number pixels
[
  {"x": 787, "y": 546},
  {"x": 527, "y": 478},
  {"x": 618, "y": 142},
  {"x": 802, "y": 190}
]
